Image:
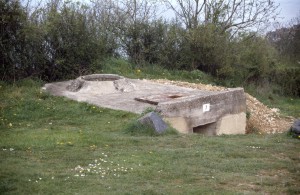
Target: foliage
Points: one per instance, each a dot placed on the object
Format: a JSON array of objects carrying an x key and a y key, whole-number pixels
[
  {"x": 57, "y": 41},
  {"x": 64, "y": 39},
  {"x": 252, "y": 59},
  {"x": 287, "y": 70},
  {"x": 207, "y": 48},
  {"x": 287, "y": 77},
  {"x": 13, "y": 18},
  {"x": 143, "y": 40},
  {"x": 287, "y": 40},
  {"x": 70, "y": 40}
]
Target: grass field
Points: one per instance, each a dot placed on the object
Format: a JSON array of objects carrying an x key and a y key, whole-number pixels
[{"x": 51, "y": 145}]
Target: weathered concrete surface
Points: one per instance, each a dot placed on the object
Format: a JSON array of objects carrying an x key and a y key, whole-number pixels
[
  {"x": 187, "y": 110},
  {"x": 231, "y": 124},
  {"x": 118, "y": 94}
]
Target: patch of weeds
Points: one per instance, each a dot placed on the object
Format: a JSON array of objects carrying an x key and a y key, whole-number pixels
[
  {"x": 7, "y": 185},
  {"x": 29, "y": 82},
  {"x": 250, "y": 129},
  {"x": 42, "y": 95},
  {"x": 135, "y": 128},
  {"x": 170, "y": 131},
  {"x": 293, "y": 134},
  {"x": 91, "y": 108},
  {"x": 248, "y": 114},
  {"x": 147, "y": 110},
  {"x": 294, "y": 190}
]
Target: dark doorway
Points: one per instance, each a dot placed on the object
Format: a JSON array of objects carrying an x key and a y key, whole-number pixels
[{"x": 207, "y": 129}]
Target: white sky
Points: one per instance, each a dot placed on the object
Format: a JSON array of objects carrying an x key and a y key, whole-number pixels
[{"x": 289, "y": 9}]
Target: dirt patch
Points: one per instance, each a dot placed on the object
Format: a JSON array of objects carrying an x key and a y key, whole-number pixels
[{"x": 261, "y": 118}]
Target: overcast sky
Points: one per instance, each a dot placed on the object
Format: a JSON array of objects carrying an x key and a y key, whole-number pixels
[{"x": 289, "y": 9}]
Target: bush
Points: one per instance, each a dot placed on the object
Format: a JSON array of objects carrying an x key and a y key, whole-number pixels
[
  {"x": 288, "y": 79},
  {"x": 13, "y": 21}
]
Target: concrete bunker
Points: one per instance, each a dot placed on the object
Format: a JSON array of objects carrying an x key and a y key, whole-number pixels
[
  {"x": 187, "y": 110},
  {"x": 222, "y": 112}
]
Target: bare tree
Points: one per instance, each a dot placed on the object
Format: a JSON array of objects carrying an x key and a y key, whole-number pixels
[
  {"x": 141, "y": 10},
  {"x": 230, "y": 15}
]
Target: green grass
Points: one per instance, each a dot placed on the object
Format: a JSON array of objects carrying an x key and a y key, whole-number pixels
[
  {"x": 44, "y": 140},
  {"x": 150, "y": 71},
  {"x": 289, "y": 106}
]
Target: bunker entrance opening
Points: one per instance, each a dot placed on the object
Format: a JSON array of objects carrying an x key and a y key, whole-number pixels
[{"x": 207, "y": 129}]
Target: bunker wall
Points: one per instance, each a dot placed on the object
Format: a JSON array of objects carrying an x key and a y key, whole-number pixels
[{"x": 195, "y": 112}]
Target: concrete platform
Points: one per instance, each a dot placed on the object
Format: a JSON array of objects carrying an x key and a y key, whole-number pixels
[{"x": 187, "y": 110}]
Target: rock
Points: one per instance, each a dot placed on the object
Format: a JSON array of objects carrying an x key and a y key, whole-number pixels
[
  {"x": 155, "y": 121},
  {"x": 124, "y": 85},
  {"x": 296, "y": 127},
  {"x": 75, "y": 85}
]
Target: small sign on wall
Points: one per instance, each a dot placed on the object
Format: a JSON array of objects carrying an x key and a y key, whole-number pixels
[{"x": 206, "y": 108}]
